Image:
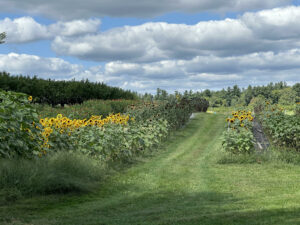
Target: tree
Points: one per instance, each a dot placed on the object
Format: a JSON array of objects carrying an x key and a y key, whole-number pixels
[
  {"x": 207, "y": 93},
  {"x": 236, "y": 92},
  {"x": 288, "y": 96},
  {"x": 296, "y": 88},
  {"x": 2, "y": 37}
]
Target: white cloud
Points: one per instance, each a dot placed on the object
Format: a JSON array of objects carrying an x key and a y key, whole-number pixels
[
  {"x": 195, "y": 74},
  {"x": 65, "y": 9},
  {"x": 156, "y": 41},
  {"x": 253, "y": 32},
  {"x": 255, "y": 48},
  {"x": 75, "y": 27},
  {"x": 26, "y": 29},
  {"x": 274, "y": 24},
  {"x": 35, "y": 65}
]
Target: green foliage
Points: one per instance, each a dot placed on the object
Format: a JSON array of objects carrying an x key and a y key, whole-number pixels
[
  {"x": 152, "y": 123},
  {"x": 198, "y": 104},
  {"x": 117, "y": 142},
  {"x": 56, "y": 173},
  {"x": 61, "y": 92},
  {"x": 175, "y": 111},
  {"x": 284, "y": 129},
  {"x": 238, "y": 141},
  {"x": 258, "y": 104},
  {"x": 18, "y": 136},
  {"x": 181, "y": 185},
  {"x": 86, "y": 109},
  {"x": 297, "y": 110},
  {"x": 234, "y": 96},
  {"x": 288, "y": 97}
]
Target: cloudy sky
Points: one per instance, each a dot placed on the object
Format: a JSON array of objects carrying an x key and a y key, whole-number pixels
[{"x": 142, "y": 45}]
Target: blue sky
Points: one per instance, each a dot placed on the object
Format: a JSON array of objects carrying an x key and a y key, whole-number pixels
[{"x": 143, "y": 45}]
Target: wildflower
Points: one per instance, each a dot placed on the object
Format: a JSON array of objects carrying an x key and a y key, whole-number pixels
[{"x": 30, "y": 98}]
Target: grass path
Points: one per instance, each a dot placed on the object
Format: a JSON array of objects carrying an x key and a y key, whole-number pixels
[{"x": 183, "y": 184}]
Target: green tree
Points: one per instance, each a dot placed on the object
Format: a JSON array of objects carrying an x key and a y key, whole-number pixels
[
  {"x": 2, "y": 37},
  {"x": 288, "y": 96}
]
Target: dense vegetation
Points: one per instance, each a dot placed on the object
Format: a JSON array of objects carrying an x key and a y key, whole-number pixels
[
  {"x": 87, "y": 108},
  {"x": 57, "y": 150},
  {"x": 284, "y": 130},
  {"x": 29, "y": 137},
  {"x": 183, "y": 184},
  {"x": 278, "y": 93},
  {"x": 61, "y": 92}
]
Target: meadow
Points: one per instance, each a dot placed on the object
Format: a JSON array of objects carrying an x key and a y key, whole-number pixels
[{"x": 147, "y": 162}]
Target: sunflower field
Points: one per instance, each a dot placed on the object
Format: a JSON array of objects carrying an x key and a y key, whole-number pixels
[
  {"x": 238, "y": 138},
  {"x": 284, "y": 130},
  {"x": 144, "y": 125}
]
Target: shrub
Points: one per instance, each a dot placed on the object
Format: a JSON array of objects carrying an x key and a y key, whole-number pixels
[{"x": 199, "y": 104}]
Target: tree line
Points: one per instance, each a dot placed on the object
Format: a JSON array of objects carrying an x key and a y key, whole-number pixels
[
  {"x": 61, "y": 92},
  {"x": 276, "y": 93},
  {"x": 235, "y": 96}
]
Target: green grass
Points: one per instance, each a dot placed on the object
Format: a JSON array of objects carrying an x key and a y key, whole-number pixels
[
  {"x": 56, "y": 173},
  {"x": 183, "y": 184}
]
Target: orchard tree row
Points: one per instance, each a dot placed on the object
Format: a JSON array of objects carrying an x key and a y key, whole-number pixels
[{"x": 61, "y": 92}]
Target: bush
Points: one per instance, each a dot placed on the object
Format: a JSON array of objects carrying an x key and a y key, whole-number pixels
[{"x": 199, "y": 104}]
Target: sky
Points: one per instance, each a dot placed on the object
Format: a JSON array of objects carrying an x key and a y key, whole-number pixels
[{"x": 142, "y": 45}]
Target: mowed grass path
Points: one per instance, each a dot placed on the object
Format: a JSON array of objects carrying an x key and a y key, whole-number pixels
[{"x": 182, "y": 184}]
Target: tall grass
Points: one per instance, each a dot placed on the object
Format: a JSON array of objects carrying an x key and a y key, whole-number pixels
[{"x": 58, "y": 173}]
